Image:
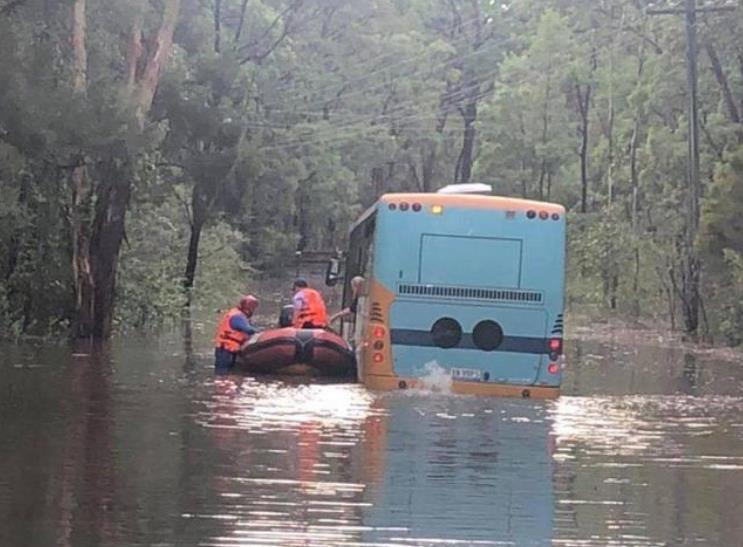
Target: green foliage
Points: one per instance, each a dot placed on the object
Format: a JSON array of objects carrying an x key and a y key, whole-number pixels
[
  {"x": 600, "y": 247},
  {"x": 722, "y": 223},
  {"x": 150, "y": 289},
  {"x": 266, "y": 139},
  {"x": 525, "y": 126},
  {"x": 729, "y": 317},
  {"x": 721, "y": 242}
]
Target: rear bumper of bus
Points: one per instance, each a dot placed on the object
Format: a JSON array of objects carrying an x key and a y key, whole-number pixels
[{"x": 396, "y": 383}]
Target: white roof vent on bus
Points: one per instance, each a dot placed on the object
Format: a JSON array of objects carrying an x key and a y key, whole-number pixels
[{"x": 469, "y": 188}]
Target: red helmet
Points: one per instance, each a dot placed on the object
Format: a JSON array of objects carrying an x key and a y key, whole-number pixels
[{"x": 248, "y": 304}]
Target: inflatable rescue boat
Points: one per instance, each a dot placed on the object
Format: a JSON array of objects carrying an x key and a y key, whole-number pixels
[{"x": 310, "y": 352}]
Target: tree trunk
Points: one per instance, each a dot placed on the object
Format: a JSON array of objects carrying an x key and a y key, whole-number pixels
[
  {"x": 429, "y": 160},
  {"x": 144, "y": 92},
  {"x": 377, "y": 179},
  {"x": 634, "y": 179},
  {"x": 304, "y": 205},
  {"x": 80, "y": 52},
  {"x": 724, "y": 84},
  {"x": 203, "y": 195},
  {"x": 105, "y": 242},
  {"x": 542, "y": 173},
  {"x": 722, "y": 80},
  {"x": 17, "y": 236},
  {"x": 98, "y": 240},
  {"x": 199, "y": 213},
  {"x": 464, "y": 164},
  {"x": 614, "y": 285},
  {"x": 691, "y": 298},
  {"x": 80, "y": 212},
  {"x": 545, "y": 133},
  {"x": 634, "y": 214},
  {"x": 241, "y": 23},
  {"x": 584, "y": 101},
  {"x": 217, "y": 26},
  {"x": 584, "y": 169},
  {"x": 636, "y": 283},
  {"x": 81, "y": 202}
]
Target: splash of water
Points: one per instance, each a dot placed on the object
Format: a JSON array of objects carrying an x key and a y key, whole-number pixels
[{"x": 434, "y": 378}]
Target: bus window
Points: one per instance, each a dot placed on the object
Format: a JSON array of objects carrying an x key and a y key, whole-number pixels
[{"x": 360, "y": 263}]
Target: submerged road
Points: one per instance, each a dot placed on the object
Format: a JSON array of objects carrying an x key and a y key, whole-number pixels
[{"x": 142, "y": 445}]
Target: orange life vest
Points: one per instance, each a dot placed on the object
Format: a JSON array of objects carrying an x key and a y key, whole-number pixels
[
  {"x": 313, "y": 312},
  {"x": 228, "y": 338}
]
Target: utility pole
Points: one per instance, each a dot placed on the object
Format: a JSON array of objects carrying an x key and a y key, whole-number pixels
[{"x": 691, "y": 265}]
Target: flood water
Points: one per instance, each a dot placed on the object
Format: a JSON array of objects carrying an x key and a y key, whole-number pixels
[{"x": 140, "y": 444}]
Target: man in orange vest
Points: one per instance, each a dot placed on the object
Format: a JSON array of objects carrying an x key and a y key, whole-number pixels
[
  {"x": 309, "y": 307},
  {"x": 233, "y": 332}
]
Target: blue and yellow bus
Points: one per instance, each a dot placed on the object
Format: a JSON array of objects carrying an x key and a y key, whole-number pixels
[{"x": 472, "y": 284}]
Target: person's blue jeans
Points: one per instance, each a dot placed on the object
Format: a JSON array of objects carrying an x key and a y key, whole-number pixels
[{"x": 224, "y": 360}]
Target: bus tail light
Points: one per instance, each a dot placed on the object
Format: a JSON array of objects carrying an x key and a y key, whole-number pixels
[
  {"x": 378, "y": 357},
  {"x": 553, "y": 368},
  {"x": 555, "y": 345},
  {"x": 404, "y": 206},
  {"x": 417, "y": 207},
  {"x": 544, "y": 215},
  {"x": 378, "y": 332}
]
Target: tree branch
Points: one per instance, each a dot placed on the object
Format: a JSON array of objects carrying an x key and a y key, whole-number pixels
[
  {"x": 239, "y": 31},
  {"x": 184, "y": 204},
  {"x": 80, "y": 62},
  {"x": 414, "y": 173},
  {"x": 719, "y": 150},
  {"x": 10, "y": 7},
  {"x": 217, "y": 26},
  {"x": 287, "y": 16},
  {"x": 722, "y": 80},
  {"x": 147, "y": 84},
  {"x": 633, "y": 30}
]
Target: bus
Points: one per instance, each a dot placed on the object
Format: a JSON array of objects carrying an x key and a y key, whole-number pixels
[{"x": 465, "y": 283}]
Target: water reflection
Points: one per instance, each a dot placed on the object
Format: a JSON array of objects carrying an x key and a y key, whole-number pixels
[
  {"x": 294, "y": 482},
  {"x": 57, "y": 449},
  {"x": 127, "y": 446},
  {"x": 647, "y": 469},
  {"x": 462, "y": 470},
  {"x": 335, "y": 465}
]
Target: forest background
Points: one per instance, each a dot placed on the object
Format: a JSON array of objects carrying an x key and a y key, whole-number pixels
[{"x": 157, "y": 154}]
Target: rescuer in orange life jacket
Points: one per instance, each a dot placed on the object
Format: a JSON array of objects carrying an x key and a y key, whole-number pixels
[
  {"x": 233, "y": 332},
  {"x": 309, "y": 307}
]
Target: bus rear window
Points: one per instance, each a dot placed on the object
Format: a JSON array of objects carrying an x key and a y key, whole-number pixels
[{"x": 470, "y": 261}]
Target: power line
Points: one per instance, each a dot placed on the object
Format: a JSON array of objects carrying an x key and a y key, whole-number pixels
[
  {"x": 370, "y": 74},
  {"x": 431, "y": 67},
  {"x": 321, "y": 135}
]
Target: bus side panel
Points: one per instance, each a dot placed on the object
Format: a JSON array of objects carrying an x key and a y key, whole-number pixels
[{"x": 373, "y": 335}]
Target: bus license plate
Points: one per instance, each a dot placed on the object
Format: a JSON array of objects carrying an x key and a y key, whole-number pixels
[{"x": 467, "y": 374}]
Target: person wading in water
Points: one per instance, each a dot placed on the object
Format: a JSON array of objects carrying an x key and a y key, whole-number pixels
[{"x": 233, "y": 332}]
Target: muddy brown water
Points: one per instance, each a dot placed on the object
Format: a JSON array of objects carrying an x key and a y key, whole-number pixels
[{"x": 139, "y": 444}]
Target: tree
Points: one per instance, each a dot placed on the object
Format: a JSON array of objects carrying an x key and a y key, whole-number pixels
[{"x": 527, "y": 124}]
